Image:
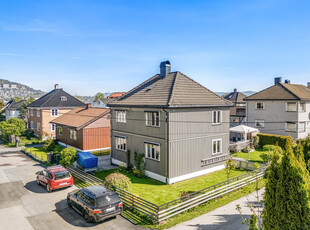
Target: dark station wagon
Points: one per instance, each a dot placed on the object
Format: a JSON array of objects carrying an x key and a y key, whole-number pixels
[{"x": 95, "y": 203}]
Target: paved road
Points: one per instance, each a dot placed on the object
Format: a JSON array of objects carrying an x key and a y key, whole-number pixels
[
  {"x": 223, "y": 218},
  {"x": 26, "y": 205}
]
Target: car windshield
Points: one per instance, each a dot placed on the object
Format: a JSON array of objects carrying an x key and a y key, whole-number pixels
[
  {"x": 61, "y": 175},
  {"x": 107, "y": 200}
]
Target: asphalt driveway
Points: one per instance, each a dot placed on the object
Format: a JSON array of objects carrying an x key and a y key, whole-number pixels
[{"x": 26, "y": 205}]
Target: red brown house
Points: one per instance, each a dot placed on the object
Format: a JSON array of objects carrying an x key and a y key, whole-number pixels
[{"x": 86, "y": 128}]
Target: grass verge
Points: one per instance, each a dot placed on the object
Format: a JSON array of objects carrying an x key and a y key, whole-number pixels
[{"x": 101, "y": 152}]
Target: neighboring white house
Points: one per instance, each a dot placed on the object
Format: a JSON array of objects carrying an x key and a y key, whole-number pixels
[
  {"x": 12, "y": 110},
  {"x": 282, "y": 109}
]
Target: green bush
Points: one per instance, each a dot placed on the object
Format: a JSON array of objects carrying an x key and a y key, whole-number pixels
[
  {"x": 49, "y": 145},
  {"x": 266, "y": 157},
  {"x": 271, "y": 148},
  {"x": 270, "y": 139},
  {"x": 68, "y": 156},
  {"x": 117, "y": 180},
  {"x": 57, "y": 149}
]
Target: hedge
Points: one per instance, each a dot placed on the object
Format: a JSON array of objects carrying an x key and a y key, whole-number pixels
[{"x": 271, "y": 139}]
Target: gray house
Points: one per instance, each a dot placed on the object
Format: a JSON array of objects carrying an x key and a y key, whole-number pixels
[
  {"x": 12, "y": 109},
  {"x": 180, "y": 126},
  {"x": 282, "y": 109},
  {"x": 238, "y": 111}
]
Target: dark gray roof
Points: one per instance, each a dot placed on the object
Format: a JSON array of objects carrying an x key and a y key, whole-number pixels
[
  {"x": 13, "y": 105},
  {"x": 52, "y": 99},
  {"x": 235, "y": 97},
  {"x": 173, "y": 90}
]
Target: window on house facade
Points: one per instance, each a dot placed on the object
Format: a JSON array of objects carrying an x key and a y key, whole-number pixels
[
  {"x": 63, "y": 98},
  {"x": 53, "y": 127},
  {"x": 38, "y": 127},
  {"x": 31, "y": 112},
  {"x": 31, "y": 124},
  {"x": 152, "y": 118},
  {"x": 216, "y": 117},
  {"x": 120, "y": 116},
  {"x": 291, "y": 126},
  {"x": 72, "y": 134},
  {"x": 216, "y": 146},
  {"x": 60, "y": 131},
  {"x": 54, "y": 112},
  {"x": 121, "y": 143},
  {"x": 291, "y": 106},
  {"x": 302, "y": 107},
  {"x": 152, "y": 151},
  {"x": 260, "y": 105},
  {"x": 260, "y": 123},
  {"x": 302, "y": 127},
  {"x": 38, "y": 113}
]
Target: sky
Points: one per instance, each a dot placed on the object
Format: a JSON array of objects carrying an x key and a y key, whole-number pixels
[{"x": 90, "y": 46}]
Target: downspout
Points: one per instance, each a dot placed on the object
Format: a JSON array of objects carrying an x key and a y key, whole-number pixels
[{"x": 167, "y": 143}]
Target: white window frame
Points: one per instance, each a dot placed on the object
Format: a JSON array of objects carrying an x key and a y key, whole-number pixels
[
  {"x": 259, "y": 121},
  {"x": 300, "y": 107},
  {"x": 38, "y": 126},
  {"x": 150, "y": 146},
  {"x": 218, "y": 117},
  {"x": 120, "y": 116},
  {"x": 290, "y": 130},
  {"x": 53, "y": 127},
  {"x": 54, "y": 112},
  {"x": 31, "y": 112},
  {"x": 31, "y": 124},
  {"x": 152, "y": 118},
  {"x": 304, "y": 124},
  {"x": 219, "y": 144},
  {"x": 121, "y": 143},
  {"x": 38, "y": 112},
  {"x": 72, "y": 134},
  {"x": 63, "y": 98},
  {"x": 286, "y": 107},
  {"x": 256, "y": 103}
]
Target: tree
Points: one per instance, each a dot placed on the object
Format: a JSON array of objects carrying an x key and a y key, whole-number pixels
[
  {"x": 287, "y": 200},
  {"x": 99, "y": 96},
  {"x": 2, "y": 104},
  {"x": 68, "y": 156},
  {"x": 13, "y": 126},
  {"x": 253, "y": 223},
  {"x": 23, "y": 109},
  {"x": 17, "y": 99},
  {"x": 229, "y": 166}
]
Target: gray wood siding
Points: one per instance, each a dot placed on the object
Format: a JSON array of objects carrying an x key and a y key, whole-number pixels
[{"x": 190, "y": 139}]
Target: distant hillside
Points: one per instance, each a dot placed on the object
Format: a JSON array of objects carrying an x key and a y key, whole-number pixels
[
  {"x": 248, "y": 93},
  {"x": 9, "y": 90}
]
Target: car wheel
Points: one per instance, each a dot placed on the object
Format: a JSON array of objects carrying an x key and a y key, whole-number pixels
[
  {"x": 48, "y": 189},
  {"x": 38, "y": 181},
  {"x": 69, "y": 202},
  {"x": 87, "y": 217}
]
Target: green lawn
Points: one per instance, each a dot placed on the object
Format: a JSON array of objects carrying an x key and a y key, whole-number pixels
[
  {"x": 160, "y": 193},
  {"x": 101, "y": 152},
  {"x": 37, "y": 152},
  {"x": 24, "y": 141},
  {"x": 254, "y": 156}
]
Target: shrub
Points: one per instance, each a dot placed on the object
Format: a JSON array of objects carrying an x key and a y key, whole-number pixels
[
  {"x": 117, "y": 180},
  {"x": 57, "y": 149},
  {"x": 272, "y": 148},
  {"x": 68, "y": 156},
  {"x": 266, "y": 157},
  {"x": 255, "y": 140},
  {"x": 246, "y": 149},
  {"x": 49, "y": 145},
  {"x": 139, "y": 173},
  {"x": 270, "y": 139}
]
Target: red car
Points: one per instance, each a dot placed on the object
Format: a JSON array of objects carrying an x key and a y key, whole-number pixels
[{"x": 54, "y": 177}]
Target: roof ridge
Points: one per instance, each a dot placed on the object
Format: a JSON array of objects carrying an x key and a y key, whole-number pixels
[
  {"x": 50, "y": 96},
  {"x": 283, "y": 86},
  {"x": 229, "y": 102},
  {"x": 173, "y": 88}
]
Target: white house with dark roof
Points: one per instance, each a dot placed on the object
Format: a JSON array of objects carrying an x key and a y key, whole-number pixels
[
  {"x": 282, "y": 109},
  {"x": 180, "y": 126},
  {"x": 12, "y": 109}
]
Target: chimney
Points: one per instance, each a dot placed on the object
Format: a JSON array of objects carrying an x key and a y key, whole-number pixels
[
  {"x": 88, "y": 105},
  {"x": 56, "y": 86},
  {"x": 165, "y": 68},
  {"x": 287, "y": 81},
  {"x": 277, "y": 80},
  {"x": 308, "y": 84},
  {"x": 235, "y": 90}
]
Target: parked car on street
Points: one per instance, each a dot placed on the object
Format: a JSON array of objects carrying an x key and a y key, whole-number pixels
[
  {"x": 95, "y": 203},
  {"x": 54, "y": 177}
]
